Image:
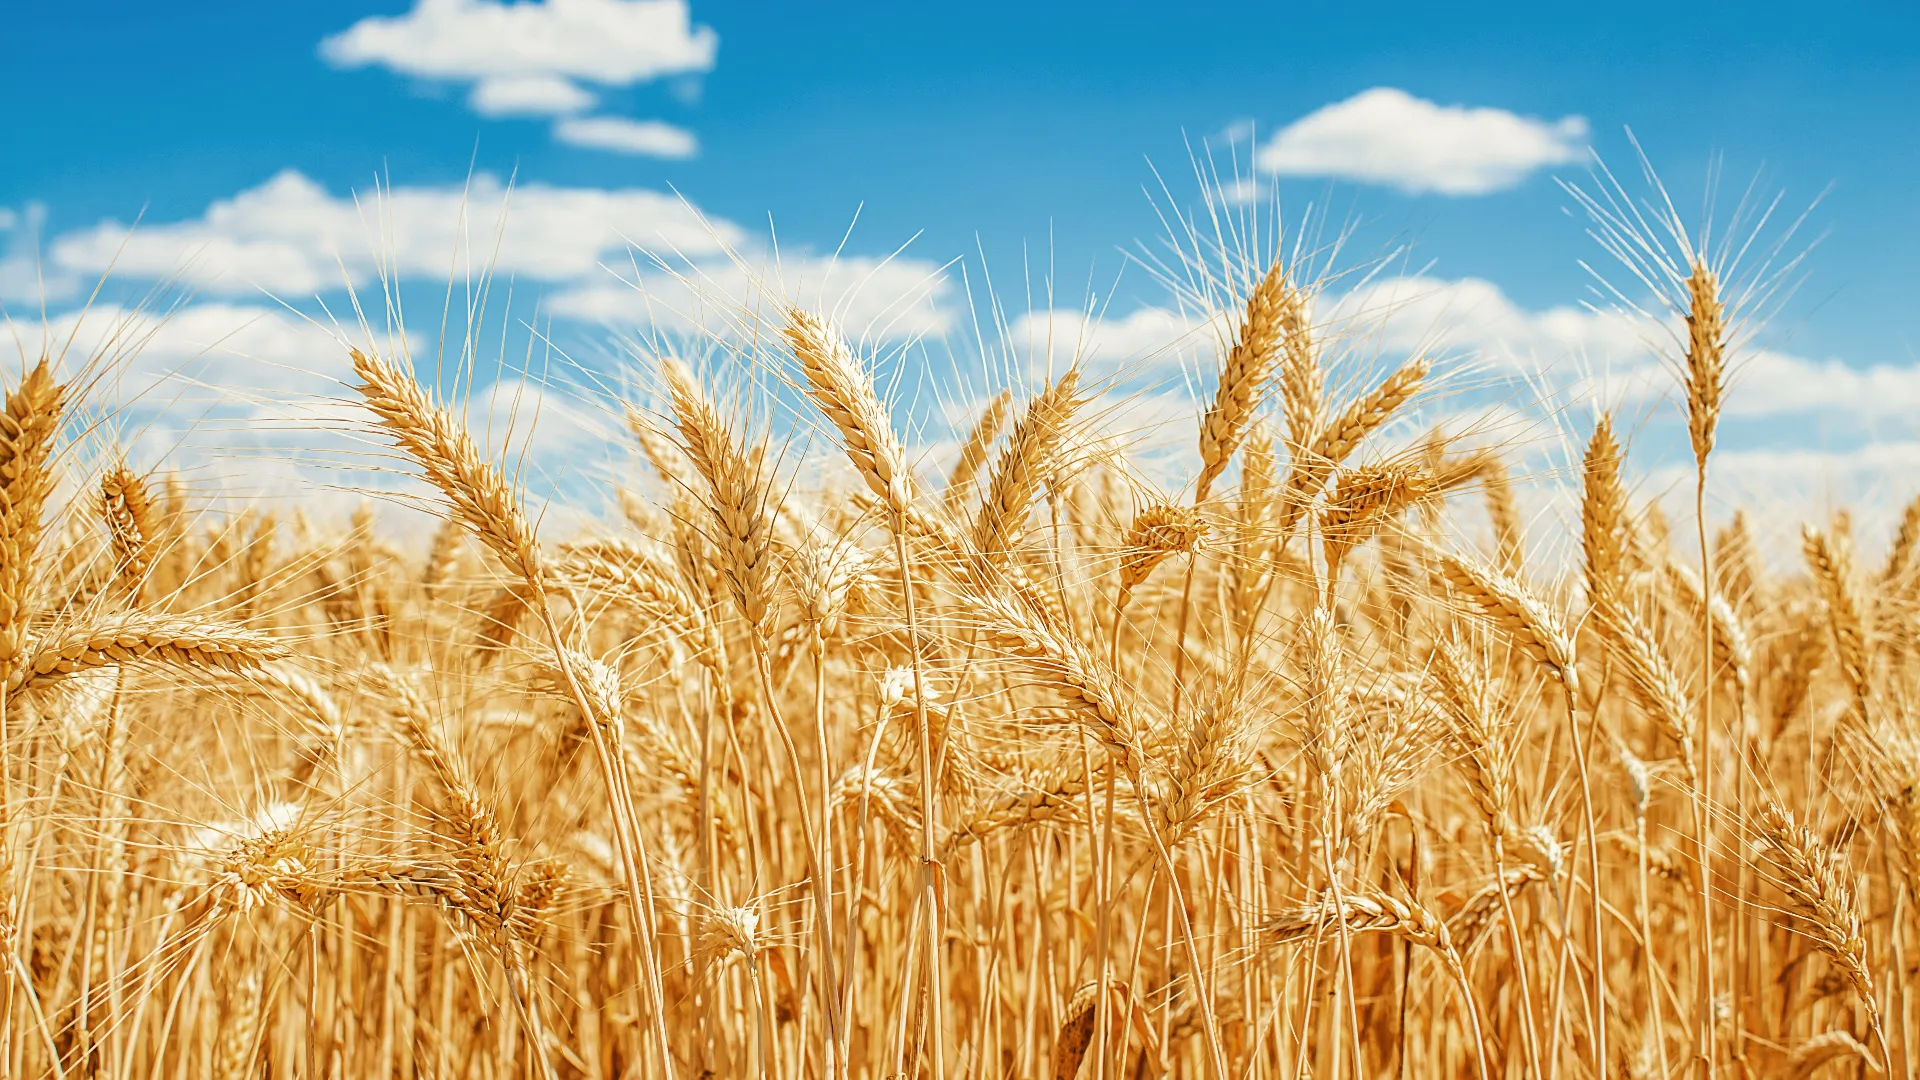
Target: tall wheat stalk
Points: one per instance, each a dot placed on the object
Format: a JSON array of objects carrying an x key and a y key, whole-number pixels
[{"x": 479, "y": 498}]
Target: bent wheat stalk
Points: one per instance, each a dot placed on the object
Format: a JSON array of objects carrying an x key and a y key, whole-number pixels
[{"x": 480, "y": 498}]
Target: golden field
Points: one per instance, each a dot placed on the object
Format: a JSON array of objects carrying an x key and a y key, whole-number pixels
[{"x": 1033, "y": 765}]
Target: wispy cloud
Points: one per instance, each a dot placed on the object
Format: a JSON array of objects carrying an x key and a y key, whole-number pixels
[
  {"x": 529, "y": 95},
  {"x": 645, "y": 138},
  {"x": 1389, "y": 137}
]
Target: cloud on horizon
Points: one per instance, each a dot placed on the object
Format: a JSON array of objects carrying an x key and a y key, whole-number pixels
[{"x": 290, "y": 236}]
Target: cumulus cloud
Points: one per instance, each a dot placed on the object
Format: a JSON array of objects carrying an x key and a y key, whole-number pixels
[
  {"x": 1388, "y": 136},
  {"x": 594, "y": 254},
  {"x": 292, "y": 236},
  {"x": 529, "y": 95},
  {"x": 529, "y": 59},
  {"x": 613, "y": 42},
  {"x": 646, "y": 138},
  {"x": 1403, "y": 314},
  {"x": 1769, "y": 383}
]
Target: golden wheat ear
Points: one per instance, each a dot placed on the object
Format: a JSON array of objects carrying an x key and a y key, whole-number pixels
[
  {"x": 446, "y": 454},
  {"x": 1516, "y": 612},
  {"x": 844, "y": 391},
  {"x": 1026, "y": 459},
  {"x": 1830, "y": 557},
  {"x": 130, "y": 527},
  {"x": 1603, "y": 516},
  {"x": 973, "y": 453},
  {"x": 739, "y": 495},
  {"x": 1243, "y": 378},
  {"x": 138, "y": 637},
  {"x": 1161, "y": 530},
  {"x": 1706, "y": 360},
  {"x": 1815, "y": 880},
  {"x": 28, "y": 426}
]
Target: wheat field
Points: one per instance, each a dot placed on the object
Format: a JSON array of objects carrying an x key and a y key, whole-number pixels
[{"x": 1029, "y": 766}]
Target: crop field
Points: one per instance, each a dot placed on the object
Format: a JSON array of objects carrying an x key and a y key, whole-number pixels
[{"x": 822, "y": 753}]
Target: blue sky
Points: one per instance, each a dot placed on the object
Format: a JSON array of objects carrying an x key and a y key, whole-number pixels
[{"x": 1029, "y": 132}]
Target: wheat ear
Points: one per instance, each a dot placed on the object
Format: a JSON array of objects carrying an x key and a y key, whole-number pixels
[
  {"x": 1091, "y": 690},
  {"x": 844, "y": 391},
  {"x": 973, "y": 453},
  {"x": 1525, "y": 619},
  {"x": 1363, "y": 501},
  {"x": 1301, "y": 380},
  {"x": 27, "y": 429},
  {"x": 139, "y": 637},
  {"x": 1831, "y": 560},
  {"x": 1655, "y": 686},
  {"x": 1706, "y": 359},
  {"x": 1368, "y": 414},
  {"x": 1161, "y": 530},
  {"x": 1830, "y": 1046},
  {"x": 1026, "y": 458},
  {"x": 738, "y": 496},
  {"x": 1243, "y": 379},
  {"x": 440, "y": 445},
  {"x": 1603, "y": 516},
  {"x": 1210, "y": 764},
  {"x": 1823, "y": 896},
  {"x": 130, "y": 527},
  {"x": 1906, "y": 540}
]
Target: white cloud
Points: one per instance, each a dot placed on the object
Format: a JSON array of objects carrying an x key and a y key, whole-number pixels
[
  {"x": 647, "y": 138},
  {"x": 1402, "y": 314},
  {"x": 1770, "y": 383},
  {"x": 529, "y": 95},
  {"x": 291, "y": 236},
  {"x": 868, "y": 297},
  {"x": 1388, "y": 136},
  {"x": 613, "y": 42},
  {"x": 580, "y": 248},
  {"x": 1148, "y": 337},
  {"x": 529, "y": 59}
]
